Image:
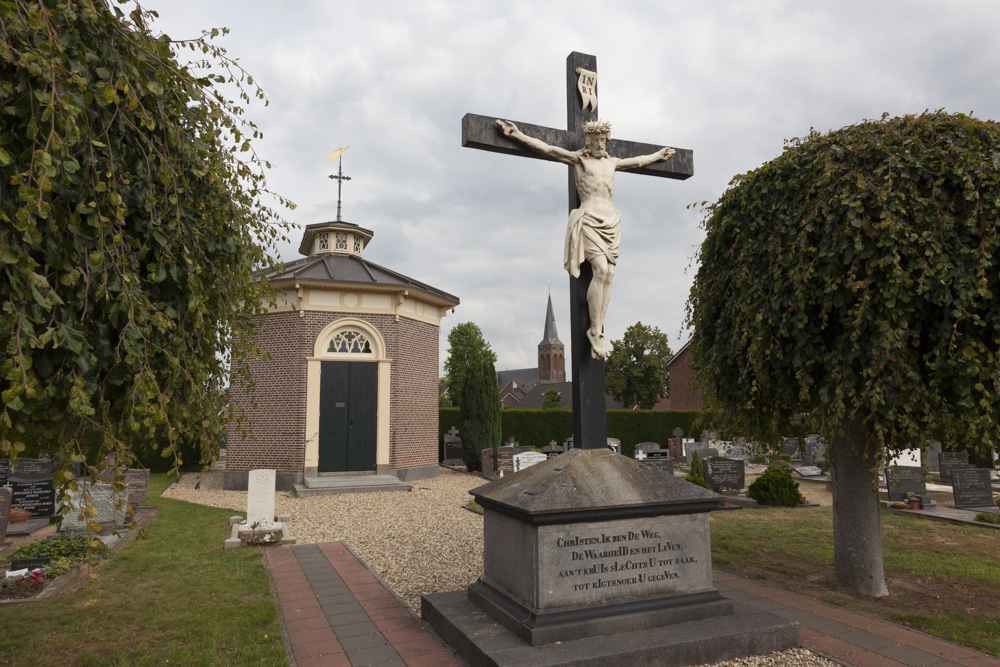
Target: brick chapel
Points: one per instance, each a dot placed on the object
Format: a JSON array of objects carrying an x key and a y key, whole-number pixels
[{"x": 351, "y": 387}]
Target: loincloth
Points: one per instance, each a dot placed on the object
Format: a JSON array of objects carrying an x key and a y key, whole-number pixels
[{"x": 589, "y": 236}]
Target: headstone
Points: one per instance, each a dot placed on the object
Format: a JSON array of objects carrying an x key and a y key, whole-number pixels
[
  {"x": 33, "y": 468},
  {"x": 35, "y": 495},
  {"x": 971, "y": 487},
  {"x": 615, "y": 445},
  {"x": 739, "y": 450},
  {"x": 452, "y": 446},
  {"x": 568, "y": 444},
  {"x": 808, "y": 471},
  {"x": 6, "y": 498},
  {"x": 951, "y": 461},
  {"x": 645, "y": 447},
  {"x": 908, "y": 457},
  {"x": 5, "y": 470},
  {"x": 814, "y": 450},
  {"x": 709, "y": 436},
  {"x": 136, "y": 485},
  {"x": 704, "y": 453},
  {"x": 486, "y": 463},
  {"x": 724, "y": 473},
  {"x": 552, "y": 449},
  {"x": 512, "y": 442},
  {"x": 527, "y": 459},
  {"x": 29, "y": 563},
  {"x": 260, "y": 496},
  {"x": 678, "y": 443},
  {"x": 659, "y": 458},
  {"x": 505, "y": 465},
  {"x": 931, "y": 451},
  {"x": 900, "y": 480},
  {"x": 789, "y": 446},
  {"x": 110, "y": 507}
]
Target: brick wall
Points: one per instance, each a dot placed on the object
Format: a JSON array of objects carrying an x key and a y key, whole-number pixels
[
  {"x": 684, "y": 391},
  {"x": 414, "y": 395},
  {"x": 276, "y": 428}
]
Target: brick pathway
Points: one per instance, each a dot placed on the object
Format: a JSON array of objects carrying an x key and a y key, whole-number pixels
[
  {"x": 337, "y": 614},
  {"x": 848, "y": 637}
]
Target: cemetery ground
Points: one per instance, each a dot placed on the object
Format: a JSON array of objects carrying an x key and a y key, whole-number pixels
[{"x": 178, "y": 596}]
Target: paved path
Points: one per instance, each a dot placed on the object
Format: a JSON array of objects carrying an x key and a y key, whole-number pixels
[
  {"x": 847, "y": 637},
  {"x": 337, "y": 613}
]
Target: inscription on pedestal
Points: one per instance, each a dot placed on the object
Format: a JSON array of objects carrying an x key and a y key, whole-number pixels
[{"x": 607, "y": 561}]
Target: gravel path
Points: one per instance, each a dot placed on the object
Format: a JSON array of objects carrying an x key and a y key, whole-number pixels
[{"x": 423, "y": 541}]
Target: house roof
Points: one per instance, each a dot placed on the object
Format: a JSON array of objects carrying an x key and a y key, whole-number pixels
[
  {"x": 504, "y": 377},
  {"x": 535, "y": 396}
]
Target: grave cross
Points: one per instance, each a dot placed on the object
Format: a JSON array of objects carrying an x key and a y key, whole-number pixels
[{"x": 589, "y": 416}]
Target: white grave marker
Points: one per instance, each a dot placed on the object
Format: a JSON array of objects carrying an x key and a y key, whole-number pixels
[
  {"x": 907, "y": 457},
  {"x": 260, "y": 496},
  {"x": 528, "y": 459}
]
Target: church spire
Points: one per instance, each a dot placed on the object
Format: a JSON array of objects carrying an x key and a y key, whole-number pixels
[{"x": 550, "y": 337}]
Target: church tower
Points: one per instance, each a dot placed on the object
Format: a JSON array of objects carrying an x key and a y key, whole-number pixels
[{"x": 551, "y": 351}]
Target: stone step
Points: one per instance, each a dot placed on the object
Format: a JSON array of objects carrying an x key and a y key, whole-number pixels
[{"x": 316, "y": 486}]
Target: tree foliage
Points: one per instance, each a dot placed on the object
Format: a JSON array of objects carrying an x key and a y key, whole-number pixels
[
  {"x": 466, "y": 346},
  {"x": 854, "y": 279},
  {"x": 479, "y": 414},
  {"x": 636, "y": 372},
  {"x": 552, "y": 400},
  {"x": 131, "y": 223}
]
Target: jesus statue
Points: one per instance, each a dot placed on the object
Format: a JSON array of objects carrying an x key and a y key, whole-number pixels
[{"x": 592, "y": 234}]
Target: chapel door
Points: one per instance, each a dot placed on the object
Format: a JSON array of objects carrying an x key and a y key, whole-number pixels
[{"x": 347, "y": 416}]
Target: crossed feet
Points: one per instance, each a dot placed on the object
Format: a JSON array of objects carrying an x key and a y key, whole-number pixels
[{"x": 598, "y": 350}]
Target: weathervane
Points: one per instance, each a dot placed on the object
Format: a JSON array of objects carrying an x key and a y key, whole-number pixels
[{"x": 339, "y": 176}]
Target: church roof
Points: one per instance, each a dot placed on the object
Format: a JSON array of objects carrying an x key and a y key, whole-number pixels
[
  {"x": 348, "y": 268},
  {"x": 550, "y": 337}
]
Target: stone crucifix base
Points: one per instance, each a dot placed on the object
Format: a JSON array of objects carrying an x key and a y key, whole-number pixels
[{"x": 592, "y": 558}]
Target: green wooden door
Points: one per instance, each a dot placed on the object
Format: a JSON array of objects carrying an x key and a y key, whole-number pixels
[{"x": 348, "y": 418}]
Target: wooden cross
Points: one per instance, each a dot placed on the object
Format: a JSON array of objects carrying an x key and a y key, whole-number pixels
[{"x": 590, "y": 427}]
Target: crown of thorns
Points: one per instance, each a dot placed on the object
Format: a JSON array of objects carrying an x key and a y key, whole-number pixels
[{"x": 597, "y": 127}]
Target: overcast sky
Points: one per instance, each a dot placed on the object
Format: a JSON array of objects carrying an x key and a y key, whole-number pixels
[{"x": 729, "y": 80}]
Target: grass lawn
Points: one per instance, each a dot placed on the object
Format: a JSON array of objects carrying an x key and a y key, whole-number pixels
[
  {"x": 943, "y": 579},
  {"x": 176, "y": 597}
]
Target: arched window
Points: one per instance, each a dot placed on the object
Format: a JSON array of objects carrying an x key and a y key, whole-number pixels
[{"x": 350, "y": 341}]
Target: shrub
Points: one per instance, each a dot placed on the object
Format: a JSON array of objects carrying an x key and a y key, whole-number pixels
[
  {"x": 74, "y": 547},
  {"x": 987, "y": 517},
  {"x": 776, "y": 487},
  {"x": 697, "y": 474}
]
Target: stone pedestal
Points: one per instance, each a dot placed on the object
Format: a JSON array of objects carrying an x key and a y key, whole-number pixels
[{"x": 589, "y": 546}]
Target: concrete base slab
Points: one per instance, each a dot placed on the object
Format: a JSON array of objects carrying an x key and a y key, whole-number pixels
[
  {"x": 482, "y": 642},
  {"x": 317, "y": 486}
]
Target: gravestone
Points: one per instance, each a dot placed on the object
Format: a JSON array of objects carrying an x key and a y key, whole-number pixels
[
  {"x": 724, "y": 473},
  {"x": 948, "y": 462},
  {"x": 615, "y": 445},
  {"x": 909, "y": 457},
  {"x": 709, "y": 436},
  {"x": 931, "y": 451},
  {"x": 790, "y": 446},
  {"x": 260, "y": 496},
  {"x": 110, "y": 507},
  {"x": 35, "y": 494},
  {"x": 645, "y": 447},
  {"x": 33, "y": 468},
  {"x": 136, "y": 485},
  {"x": 678, "y": 443},
  {"x": 6, "y": 498},
  {"x": 704, "y": 453},
  {"x": 815, "y": 450},
  {"x": 739, "y": 450},
  {"x": 5, "y": 470},
  {"x": 658, "y": 458},
  {"x": 503, "y": 466},
  {"x": 486, "y": 464},
  {"x": 452, "y": 447},
  {"x": 972, "y": 488},
  {"x": 552, "y": 449},
  {"x": 900, "y": 480},
  {"x": 808, "y": 471},
  {"x": 524, "y": 460}
]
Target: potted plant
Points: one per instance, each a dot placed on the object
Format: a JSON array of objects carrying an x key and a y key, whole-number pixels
[{"x": 17, "y": 514}]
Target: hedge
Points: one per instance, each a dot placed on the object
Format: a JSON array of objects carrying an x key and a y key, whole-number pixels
[{"x": 536, "y": 428}]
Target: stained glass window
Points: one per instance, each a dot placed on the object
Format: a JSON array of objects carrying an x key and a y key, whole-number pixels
[
  {"x": 324, "y": 241},
  {"x": 349, "y": 341},
  {"x": 341, "y": 241},
  {"x": 357, "y": 245}
]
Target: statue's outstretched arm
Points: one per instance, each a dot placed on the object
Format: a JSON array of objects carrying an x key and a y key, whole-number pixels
[
  {"x": 645, "y": 160},
  {"x": 540, "y": 147}
]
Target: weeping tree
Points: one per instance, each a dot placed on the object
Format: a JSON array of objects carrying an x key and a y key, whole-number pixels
[
  {"x": 854, "y": 280},
  {"x": 133, "y": 215}
]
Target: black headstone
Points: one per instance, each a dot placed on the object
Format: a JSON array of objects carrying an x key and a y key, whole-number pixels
[
  {"x": 6, "y": 497},
  {"x": 900, "y": 480},
  {"x": 137, "y": 484},
  {"x": 950, "y": 461},
  {"x": 5, "y": 471},
  {"x": 552, "y": 449},
  {"x": 725, "y": 473},
  {"x": 37, "y": 496},
  {"x": 972, "y": 487},
  {"x": 29, "y": 563},
  {"x": 790, "y": 446}
]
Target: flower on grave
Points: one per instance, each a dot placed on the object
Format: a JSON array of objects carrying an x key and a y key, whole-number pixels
[{"x": 804, "y": 501}]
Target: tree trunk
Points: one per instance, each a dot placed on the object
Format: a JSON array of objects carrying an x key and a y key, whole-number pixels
[{"x": 857, "y": 518}]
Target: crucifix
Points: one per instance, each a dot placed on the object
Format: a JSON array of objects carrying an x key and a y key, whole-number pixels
[{"x": 587, "y": 346}]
